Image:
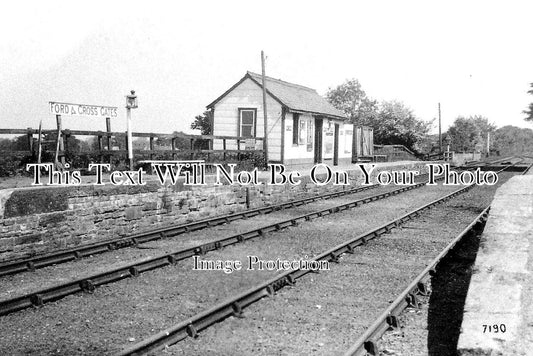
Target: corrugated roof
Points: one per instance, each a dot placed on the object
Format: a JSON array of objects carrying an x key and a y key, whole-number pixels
[{"x": 293, "y": 96}]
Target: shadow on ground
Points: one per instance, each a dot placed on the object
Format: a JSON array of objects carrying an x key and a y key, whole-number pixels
[{"x": 449, "y": 289}]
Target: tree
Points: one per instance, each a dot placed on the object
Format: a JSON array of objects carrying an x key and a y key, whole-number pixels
[
  {"x": 396, "y": 124},
  {"x": 180, "y": 142},
  {"x": 351, "y": 99},
  {"x": 510, "y": 140},
  {"x": 5, "y": 144},
  {"x": 469, "y": 134},
  {"x": 20, "y": 143},
  {"x": 529, "y": 111},
  {"x": 392, "y": 121},
  {"x": 203, "y": 122}
]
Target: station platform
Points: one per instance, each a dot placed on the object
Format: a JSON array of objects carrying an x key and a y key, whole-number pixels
[{"x": 498, "y": 312}]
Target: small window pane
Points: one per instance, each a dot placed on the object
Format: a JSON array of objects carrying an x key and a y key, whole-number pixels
[
  {"x": 246, "y": 131},
  {"x": 247, "y": 117}
]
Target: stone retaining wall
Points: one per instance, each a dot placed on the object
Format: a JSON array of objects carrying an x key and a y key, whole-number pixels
[{"x": 45, "y": 219}]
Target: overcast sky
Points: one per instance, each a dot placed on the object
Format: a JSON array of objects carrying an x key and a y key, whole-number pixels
[{"x": 474, "y": 57}]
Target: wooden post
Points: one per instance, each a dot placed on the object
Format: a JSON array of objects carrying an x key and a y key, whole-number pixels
[
  {"x": 108, "y": 130},
  {"x": 59, "y": 142},
  {"x": 192, "y": 148},
  {"x": 336, "y": 145},
  {"x": 108, "y": 138},
  {"x": 39, "y": 144},
  {"x": 440, "y": 133},
  {"x": 151, "y": 147},
  {"x": 488, "y": 144},
  {"x": 30, "y": 141},
  {"x": 224, "y": 147},
  {"x": 354, "y": 144},
  {"x": 65, "y": 142},
  {"x": 173, "y": 148},
  {"x": 101, "y": 148},
  {"x": 265, "y": 118}
]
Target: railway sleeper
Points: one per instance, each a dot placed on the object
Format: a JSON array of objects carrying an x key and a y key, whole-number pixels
[
  {"x": 37, "y": 300},
  {"x": 30, "y": 266},
  {"x": 412, "y": 301},
  {"x": 191, "y": 331},
  {"x": 422, "y": 288},
  {"x": 237, "y": 310},
  {"x": 290, "y": 280},
  {"x": 87, "y": 285},
  {"x": 393, "y": 321},
  {"x": 270, "y": 291},
  {"x": 371, "y": 346}
]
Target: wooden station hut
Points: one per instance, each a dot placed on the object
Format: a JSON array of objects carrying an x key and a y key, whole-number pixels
[{"x": 303, "y": 127}]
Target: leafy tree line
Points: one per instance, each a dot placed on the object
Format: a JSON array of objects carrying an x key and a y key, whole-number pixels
[
  {"x": 513, "y": 140},
  {"x": 529, "y": 111},
  {"x": 393, "y": 122},
  {"x": 470, "y": 134}
]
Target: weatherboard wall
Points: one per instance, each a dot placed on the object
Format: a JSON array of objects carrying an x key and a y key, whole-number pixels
[{"x": 248, "y": 95}]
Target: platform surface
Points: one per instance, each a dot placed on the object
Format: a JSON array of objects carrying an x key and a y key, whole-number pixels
[{"x": 498, "y": 312}]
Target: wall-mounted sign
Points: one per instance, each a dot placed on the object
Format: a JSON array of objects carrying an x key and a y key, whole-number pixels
[
  {"x": 57, "y": 108},
  {"x": 249, "y": 144}
]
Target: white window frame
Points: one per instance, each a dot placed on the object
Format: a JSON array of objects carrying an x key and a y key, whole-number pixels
[{"x": 254, "y": 123}]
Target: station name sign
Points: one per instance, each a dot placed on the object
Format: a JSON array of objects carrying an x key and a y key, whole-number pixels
[{"x": 57, "y": 108}]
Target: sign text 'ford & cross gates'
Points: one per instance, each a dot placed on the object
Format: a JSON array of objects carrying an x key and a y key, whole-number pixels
[{"x": 82, "y": 110}]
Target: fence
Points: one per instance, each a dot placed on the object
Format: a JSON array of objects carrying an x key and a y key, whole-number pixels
[
  {"x": 391, "y": 153},
  {"x": 198, "y": 147}
]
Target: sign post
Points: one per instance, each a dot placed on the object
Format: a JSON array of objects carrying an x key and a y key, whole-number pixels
[
  {"x": 59, "y": 144},
  {"x": 82, "y": 110},
  {"x": 70, "y": 109},
  {"x": 131, "y": 103}
]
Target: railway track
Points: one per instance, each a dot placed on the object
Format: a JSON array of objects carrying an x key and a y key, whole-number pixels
[
  {"x": 235, "y": 305},
  {"x": 71, "y": 254},
  {"x": 90, "y": 283},
  {"x": 237, "y": 308},
  {"x": 368, "y": 342},
  {"x": 39, "y": 261}
]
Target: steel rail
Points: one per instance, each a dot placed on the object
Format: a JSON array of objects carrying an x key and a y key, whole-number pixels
[
  {"x": 89, "y": 283},
  {"x": 368, "y": 342},
  {"x": 66, "y": 255},
  {"x": 235, "y": 305},
  {"x": 71, "y": 254},
  {"x": 528, "y": 168}
]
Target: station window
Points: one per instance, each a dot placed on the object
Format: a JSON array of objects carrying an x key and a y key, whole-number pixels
[
  {"x": 302, "y": 139},
  {"x": 295, "y": 125},
  {"x": 247, "y": 118},
  {"x": 304, "y": 131}
]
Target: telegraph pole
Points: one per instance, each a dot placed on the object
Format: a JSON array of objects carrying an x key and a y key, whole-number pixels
[
  {"x": 440, "y": 133},
  {"x": 488, "y": 143},
  {"x": 265, "y": 118}
]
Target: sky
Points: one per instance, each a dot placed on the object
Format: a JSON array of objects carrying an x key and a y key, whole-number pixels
[{"x": 472, "y": 57}]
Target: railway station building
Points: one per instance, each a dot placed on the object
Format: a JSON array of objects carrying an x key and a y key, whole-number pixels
[{"x": 303, "y": 127}]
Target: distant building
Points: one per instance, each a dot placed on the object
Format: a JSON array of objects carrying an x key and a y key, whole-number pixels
[{"x": 303, "y": 127}]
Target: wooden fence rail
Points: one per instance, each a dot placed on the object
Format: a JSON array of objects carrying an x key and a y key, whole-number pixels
[{"x": 238, "y": 145}]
